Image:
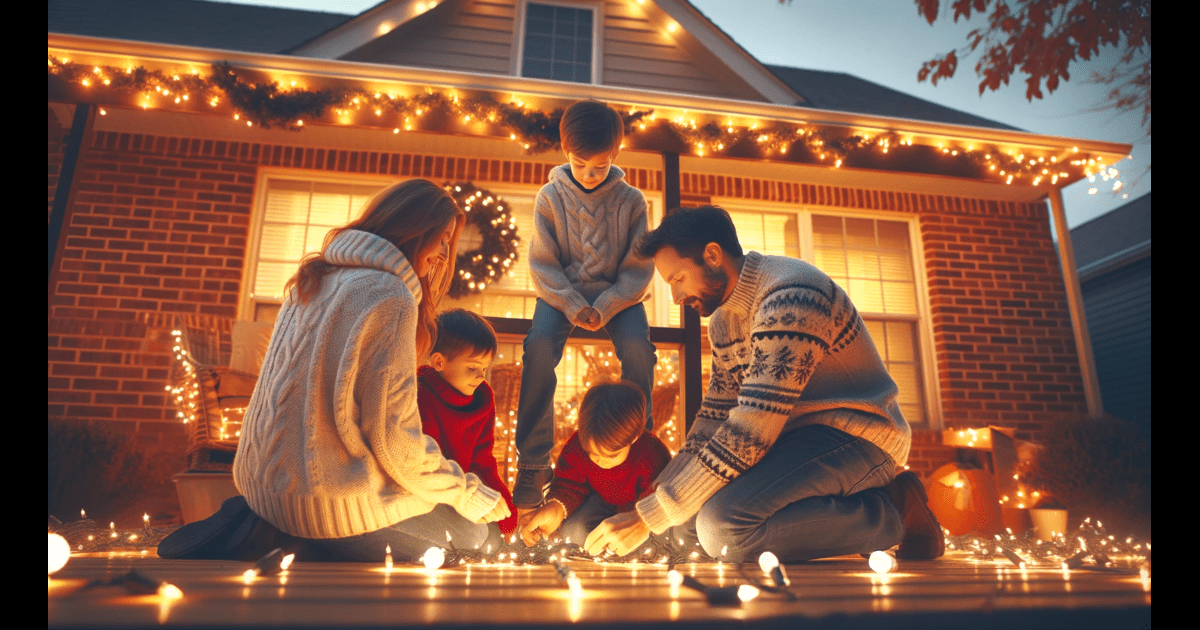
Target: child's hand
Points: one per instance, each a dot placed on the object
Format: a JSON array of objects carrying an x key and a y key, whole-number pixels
[
  {"x": 588, "y": 318},
  {"x": 541, "y": 522}
]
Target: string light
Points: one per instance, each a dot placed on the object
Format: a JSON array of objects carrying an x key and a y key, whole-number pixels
[
  {"x": 58, "y": 552},
  {"x": 882, "y": 562},
  {"x": 268, "y": 104}
]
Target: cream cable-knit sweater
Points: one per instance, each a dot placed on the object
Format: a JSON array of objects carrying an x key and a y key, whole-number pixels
[
  {"x": 789, "y": 350},
  {"x": 581, "y": 252},
  {"x": 331, "y": 444}
]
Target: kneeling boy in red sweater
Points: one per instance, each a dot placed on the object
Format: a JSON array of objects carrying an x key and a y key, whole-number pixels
[
  {"x": 456, "y": 404},
  {"x": 604, "y": 468}
]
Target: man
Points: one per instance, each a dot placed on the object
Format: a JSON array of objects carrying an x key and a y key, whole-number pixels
[{"x": 797, "y": 442}]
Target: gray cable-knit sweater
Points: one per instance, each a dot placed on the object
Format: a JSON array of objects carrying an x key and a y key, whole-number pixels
[
  {"x": 581, "y": 253},
  {"x": 331, "y": 444},
  {"x": 789, "y": 350}
]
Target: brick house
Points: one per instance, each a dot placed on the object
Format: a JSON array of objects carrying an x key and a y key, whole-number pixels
[{"x": 166, "y": 208}]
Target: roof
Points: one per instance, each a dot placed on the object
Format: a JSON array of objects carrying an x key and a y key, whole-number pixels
[
  {"x": 1114, "y": 238},
  {"x": 248, "y": 28},
  {"x": 847, "y": 93},
  {"x": 217, "y": 25}
]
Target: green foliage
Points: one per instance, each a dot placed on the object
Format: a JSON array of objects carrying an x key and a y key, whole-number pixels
[
  {"x": 101, "y": 470},
  {"x": 1099, "y": 468}
]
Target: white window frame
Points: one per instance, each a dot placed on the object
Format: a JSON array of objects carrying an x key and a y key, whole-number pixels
[
  {"x": 597, "y": 9},
  {"x": 924, "y": 322},
  {"x": 258, "y": 214}
]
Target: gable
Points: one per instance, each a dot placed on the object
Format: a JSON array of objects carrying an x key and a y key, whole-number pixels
[{"x": 640, "y": 46}]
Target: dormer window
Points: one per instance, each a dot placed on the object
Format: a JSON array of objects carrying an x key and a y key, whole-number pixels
[{"x": 559, "y": 42}]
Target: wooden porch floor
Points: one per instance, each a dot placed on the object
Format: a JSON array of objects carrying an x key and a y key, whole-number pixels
[{"x": 955, "y": 591}]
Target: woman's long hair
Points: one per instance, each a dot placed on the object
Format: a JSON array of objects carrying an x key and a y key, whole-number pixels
[{"x": 409, "y": 215}]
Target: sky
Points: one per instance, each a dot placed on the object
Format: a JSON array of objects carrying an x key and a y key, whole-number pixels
[{"x": 886, "y": 41}]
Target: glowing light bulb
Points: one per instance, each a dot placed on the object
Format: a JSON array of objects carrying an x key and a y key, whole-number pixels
[
  {"x": 169, "y": 591},
  {"x": 434, "y": 558},
  {"x": 882, "y": 562},
  {"x": 746, "y": 592},
  {"x": 674, "y": 578},
  {"x": 58, "y": 551}
]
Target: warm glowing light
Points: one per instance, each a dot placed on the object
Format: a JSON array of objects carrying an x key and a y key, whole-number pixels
[
  {"x": 747, "y": 592},
  {"x": 434, "y": 558},
  {"x": 169, "y": 591},
  {"x": 287, "y": 561},
  {"x": 249, "y": 576},
  {"x": 882, "y": 562},
  {"x": 575, "y": 585},
  {"x": 58, "y": 551}
]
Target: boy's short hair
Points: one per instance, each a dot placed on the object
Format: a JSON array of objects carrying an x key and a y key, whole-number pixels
[
  {"x": 590, "y": 128},
  {"x": 612, "y": 415},
  {"x": 460, "y": 331},
  {"x": 689, "y": 231}
]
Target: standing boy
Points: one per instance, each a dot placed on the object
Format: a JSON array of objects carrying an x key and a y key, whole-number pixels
[{"x": 583, "y": 264}]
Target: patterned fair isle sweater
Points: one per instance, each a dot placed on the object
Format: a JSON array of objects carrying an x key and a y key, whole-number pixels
[
  {"x": 581, "y": 253},
  {"x": 331, "y": 443},
  {"x": 789, "y": 350}
]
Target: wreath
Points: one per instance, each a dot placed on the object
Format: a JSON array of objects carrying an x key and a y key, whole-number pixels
[{"x": 497, "y": 251}]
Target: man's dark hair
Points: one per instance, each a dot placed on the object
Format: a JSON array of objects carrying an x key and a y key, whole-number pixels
[
  {"x": 590, "y": 128},
  {"x": 460, "y": 331},
  {"x": 689, "y": 231},
  {"x": 612, "y": 415}
]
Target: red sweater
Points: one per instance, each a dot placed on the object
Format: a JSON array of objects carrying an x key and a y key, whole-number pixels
[
  {"x": 464, "y": 428},
  {"x": 576, "y": 475}
]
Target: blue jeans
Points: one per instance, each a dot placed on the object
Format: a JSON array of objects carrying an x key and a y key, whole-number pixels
[
  {"x": 585, "y": 518},
  {"x": 410, "y": 538},
  {"x": 630, "y": 334},
  {"x": 818, "y": 492}
]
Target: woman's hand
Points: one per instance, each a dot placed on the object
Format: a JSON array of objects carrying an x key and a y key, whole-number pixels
[
  {"x": 498, "y": 512},
  {"x": 541, "y": 522}
]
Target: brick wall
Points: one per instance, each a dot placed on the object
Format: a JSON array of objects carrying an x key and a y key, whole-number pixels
[
  {"x": 160, "y": 224},
  {"x": 1002, "y": 331}
]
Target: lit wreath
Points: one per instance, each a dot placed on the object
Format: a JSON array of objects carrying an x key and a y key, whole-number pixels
[{"x": 497, "y": 250}]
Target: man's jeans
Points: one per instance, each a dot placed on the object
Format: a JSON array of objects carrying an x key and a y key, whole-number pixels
[
  {"x": 544, "y": 344},
  {"x": 817, "y": 493}
]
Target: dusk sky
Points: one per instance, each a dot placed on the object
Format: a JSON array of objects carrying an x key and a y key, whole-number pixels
[{"x": 886, "y": 41}]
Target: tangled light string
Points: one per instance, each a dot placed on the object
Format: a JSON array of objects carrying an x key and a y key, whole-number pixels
[{"x": 272, "y": 104}]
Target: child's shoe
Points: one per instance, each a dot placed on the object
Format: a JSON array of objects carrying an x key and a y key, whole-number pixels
[
  {"x": 531, "y": 487},
  {"x": 923, "y": 537}
]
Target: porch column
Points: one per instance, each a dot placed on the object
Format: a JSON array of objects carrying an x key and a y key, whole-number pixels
[
  {"x": 64, "y": 193},
  {"x": 692, "y": 392},
  {"x": 1083, "y": 341}
]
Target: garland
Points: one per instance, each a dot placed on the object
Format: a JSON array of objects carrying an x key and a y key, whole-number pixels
[
  {"x": 272, "y": 105},
  {"x": 497, "y": 249}
]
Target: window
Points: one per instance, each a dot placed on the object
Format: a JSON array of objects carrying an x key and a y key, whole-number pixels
[
  {"x": 559, "y": 42},
  {"x": 872, "y": 259},
  {"x": 296, "y": 215}
]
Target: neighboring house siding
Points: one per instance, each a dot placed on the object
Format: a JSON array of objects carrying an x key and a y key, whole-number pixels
[{"x": 1118, "y": 316}]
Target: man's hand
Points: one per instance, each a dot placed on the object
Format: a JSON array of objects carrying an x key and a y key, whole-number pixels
[
  {"x": 498, "y": 512},
  {"x": 541, "y": 522},
  {"x": 588, "y": 318},
  {"x": 619, "y": 534}
]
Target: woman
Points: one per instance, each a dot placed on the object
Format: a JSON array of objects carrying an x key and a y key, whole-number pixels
[{"x": 331, "y": 447}]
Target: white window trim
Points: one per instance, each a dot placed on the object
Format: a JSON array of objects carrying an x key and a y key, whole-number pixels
[
  {"x": 929, "y": 379},
  {"x": 245, "y": 308},
  {"x": 597, "y": 33}
]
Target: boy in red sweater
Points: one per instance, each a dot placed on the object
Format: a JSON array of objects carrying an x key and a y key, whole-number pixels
[
  {"x": 604, "y": 468},
  {"x": 456, "y": 404}
]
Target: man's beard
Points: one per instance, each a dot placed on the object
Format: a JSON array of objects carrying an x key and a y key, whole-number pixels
[{"x": 713, "y": 294}]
